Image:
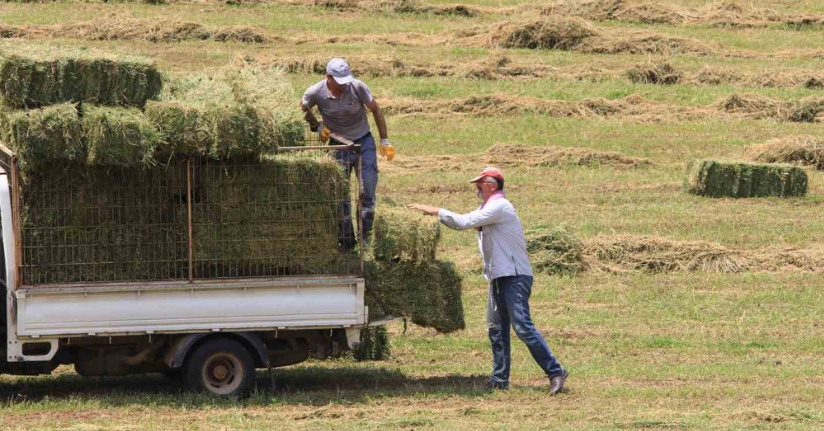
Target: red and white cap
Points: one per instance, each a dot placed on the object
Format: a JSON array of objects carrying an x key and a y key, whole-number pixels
[{"x": 489, "y": 171}]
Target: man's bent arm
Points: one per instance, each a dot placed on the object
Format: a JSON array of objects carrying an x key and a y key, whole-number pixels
[
  {"x": 487, "y": 215},
  {"x": 380, "y": 121},
  {"x": 309, "y": 116}
]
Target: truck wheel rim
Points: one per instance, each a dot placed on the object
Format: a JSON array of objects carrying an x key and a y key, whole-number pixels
[{"x": 222, "y": 373}]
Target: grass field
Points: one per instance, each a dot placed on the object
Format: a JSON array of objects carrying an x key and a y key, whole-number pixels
[{"x": 680, "y": 350}]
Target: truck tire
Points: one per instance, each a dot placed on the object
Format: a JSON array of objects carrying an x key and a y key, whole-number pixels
[{"x": 221, "y": 367}]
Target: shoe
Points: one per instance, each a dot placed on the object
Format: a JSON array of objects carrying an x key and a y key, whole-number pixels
[
  {"x": 556, "y": 383},
  {"x": 494, "y": 385}
]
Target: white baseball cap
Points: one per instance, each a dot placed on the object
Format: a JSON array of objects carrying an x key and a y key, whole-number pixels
[{"x": 339, "y": 69}]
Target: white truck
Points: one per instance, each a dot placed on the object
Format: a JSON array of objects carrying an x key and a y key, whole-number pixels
[{"x": 214, "y": 333}]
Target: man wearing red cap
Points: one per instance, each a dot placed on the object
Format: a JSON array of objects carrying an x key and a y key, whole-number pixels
[{"x": 507, "y": 268}]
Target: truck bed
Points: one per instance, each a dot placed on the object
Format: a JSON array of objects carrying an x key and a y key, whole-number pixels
[{"x": 202, "y": 306}]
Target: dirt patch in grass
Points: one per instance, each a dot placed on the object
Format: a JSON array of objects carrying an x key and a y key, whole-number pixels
[
  {"x": 625, "y": 253},
  {"x": 720, "y": 14},
  {"x": 800, "y": 150}
]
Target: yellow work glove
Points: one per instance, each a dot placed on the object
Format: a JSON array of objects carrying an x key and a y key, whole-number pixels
[
  {"x": 323, "y": 132},
  {"x": 387, "y": 150}
]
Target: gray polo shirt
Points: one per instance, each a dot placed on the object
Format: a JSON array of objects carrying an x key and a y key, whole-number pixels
[{"x": 346, "y": 115}]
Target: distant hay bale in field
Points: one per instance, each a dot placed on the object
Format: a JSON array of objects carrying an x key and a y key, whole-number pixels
[
  {"x": 405, "y": 235},
  {"x": 742, "y": 180},
  {"x": 153, "y": 30},
  {"x": 554, "y": 250},
  {"x": 659, "y": 255},
  {"x": 39, "y": 75},
  {"x": 798, "y": 150},
  {"x": 539, "y": 156},
  {"x": 228, "y": 113},
  {"x": 119, "y": 137},
  {"x": 547, "y": 33},
  {"x": 654, "y": 73},
  {"x": 38, "y": 135},
  {"x": 429, "y": 292}
]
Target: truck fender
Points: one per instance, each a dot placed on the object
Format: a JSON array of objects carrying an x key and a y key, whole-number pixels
[{"x": 176, "y": 353}]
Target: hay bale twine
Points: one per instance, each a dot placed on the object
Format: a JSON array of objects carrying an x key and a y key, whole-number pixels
[
  {"x": 405, "y": 235},
  {"x": 654, "y": 73},
  {"x": 799, "y": 150},
  {"x": 38, "y": 135},
  {"x": 554, "y": 250},
  {"x": 547, "y": 33},
  {"x": 119, "y": 137},
  {"x": 33, "y": 77},
  {"x": 742, "y": 180}
]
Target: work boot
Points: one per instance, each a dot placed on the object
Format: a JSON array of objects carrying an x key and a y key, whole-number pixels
[
  {"x": 556, "y": 382},
  {"x": 494, "y": 385}
]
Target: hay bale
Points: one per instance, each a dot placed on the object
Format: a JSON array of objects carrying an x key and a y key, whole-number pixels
[
  {"x": 429, "y": 292},
  {"x": 554, "y": 250},
  {"x": 229, "y": 113},
  {"x": 272, "y": 217},
  {"x": 119, "y": 137},
  {"x": 654, "y": 73},
  {"x": 798, "y": 150},
  {"x": 39, "y": 135},
  {"x": 34, "y": 76},
  {"x": 405, "y": 235},
  {"x": 742, "y": 180},
  {"x": 547, "y": 33}
]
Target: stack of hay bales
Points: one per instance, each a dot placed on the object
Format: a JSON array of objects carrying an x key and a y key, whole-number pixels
[
  {"x": 742, "y": 180},
  {"x": 405, "y": 278},
  {"x": 102, "y": 156}
]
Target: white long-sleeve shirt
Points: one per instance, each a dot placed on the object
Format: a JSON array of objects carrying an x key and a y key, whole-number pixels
[{"x": 500, "y": 239}]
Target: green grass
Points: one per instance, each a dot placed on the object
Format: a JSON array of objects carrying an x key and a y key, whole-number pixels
[{"x": 669, "y": 351}]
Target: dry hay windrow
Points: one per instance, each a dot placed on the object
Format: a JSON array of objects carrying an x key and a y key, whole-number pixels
[
  {"x": 719, "y": 14},
  {"x": 628, "y": 253},
  {"x": 117, "y": 27},
  {"x": 516, "y": 155},
  {"x": 800, "y": 150},
  {"x": 809, "y": 110},
  {"x": 654, "y": 73}
]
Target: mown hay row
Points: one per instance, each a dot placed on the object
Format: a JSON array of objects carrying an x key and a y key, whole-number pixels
[
  {"x": 127, "y": 28},
  {"x": 554, "y": 250},
  {"x": 798, "y": 150},
  {"x": 33, "y": 76},
  {"x": 654, "y": 73},
  {"x": 742, "y": 180},
  {"x": 723, "y": 14},
  {"x": 228, "y": 113},
  {"x": 402, "y": 235},
  {"x": 758, "y": 107}
]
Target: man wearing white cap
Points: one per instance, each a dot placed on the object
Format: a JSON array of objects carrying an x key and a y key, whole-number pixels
[
  {"x": 342, "y": 101},
  {"x": 507, "y": 268}
]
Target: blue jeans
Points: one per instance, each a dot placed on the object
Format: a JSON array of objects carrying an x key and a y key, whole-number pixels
[
  {"x": 368, "y": 184},
  {"x": 509, "y": 304}
]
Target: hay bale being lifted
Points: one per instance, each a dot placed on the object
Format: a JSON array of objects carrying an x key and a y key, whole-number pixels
[
  {"x": 404, "y": 235},
  {"x": 37, "y": 135},
  {"x": 32, "y": 76},
  {"x": 742, "y": 180},
  {"x": 227, "y": 114}
]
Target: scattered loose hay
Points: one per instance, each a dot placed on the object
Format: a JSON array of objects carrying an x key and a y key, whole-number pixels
[
  {"x": 799, "y": 150},
  {"x": 659, "y": 255},
  {"x": 755, "y": 106},
  {"x": 654, "y": 73},
  {"x": 119, "y": 137},
  {"x": 117, "y": 27},
  {"x": 402, "y": 235},
  {"x": 228, "y": 113},
  {"x": 38, "y": 75},
  {"x": 547, "y": 33},
  {"x": 555, "y": 251},
  {"x": 541, "y": 156},
  {"x": 39, "y": 135},
  {"x": 645, "y": 43},
  {"x": 742, "y": 180}
]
